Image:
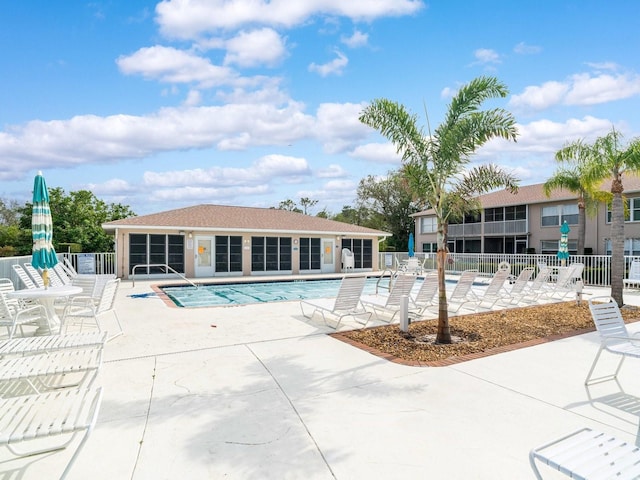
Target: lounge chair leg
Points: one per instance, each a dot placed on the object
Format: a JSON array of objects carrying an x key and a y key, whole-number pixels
[{"x": 591, "y": 381}]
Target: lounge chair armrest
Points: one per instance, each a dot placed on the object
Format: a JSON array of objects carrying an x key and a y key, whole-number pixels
[{"x": 632, "y": 338}]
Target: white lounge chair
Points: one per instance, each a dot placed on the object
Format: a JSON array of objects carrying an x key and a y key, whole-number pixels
[
  {"x": 384, "y": 306},
  {"x": 33, "y": 273},
  {"x": 633, "y": 280},
  {"x": 496, "y": 290},
  {"x": 565, "y": 282},
  {"x": 45, "y": 371},
  {"x": 538, "y": 288},
  {"x": 426, "y": 295},
  {"x": 462, "y": 293},
  {"x": 26, "y": 421},
  {"x": 23, "y": 276},
  {"x": 81, "y": 310},
  {"x": 51, "y": 343},
  {"x": 614, "y": 337},
  {"x": 589, "y": 454},
  {"x": 518, "y": 289},
  {"x": 346, "y": 303}
]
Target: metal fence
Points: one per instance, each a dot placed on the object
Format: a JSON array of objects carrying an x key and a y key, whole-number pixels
[{"x": 597, "y": 268}]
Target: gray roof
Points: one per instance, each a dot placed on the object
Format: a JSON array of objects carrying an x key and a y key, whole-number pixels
[{"x": 230, "y": 218}]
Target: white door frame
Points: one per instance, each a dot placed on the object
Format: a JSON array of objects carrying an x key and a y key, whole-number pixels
[
  {"x": 203, "y": 260},
  {"x": 328, "y": 255}
]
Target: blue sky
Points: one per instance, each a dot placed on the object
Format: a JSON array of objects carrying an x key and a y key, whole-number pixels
[{"x": 251, "y": 102}]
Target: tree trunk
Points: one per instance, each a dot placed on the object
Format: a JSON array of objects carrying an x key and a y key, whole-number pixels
[
  {"x": 617, "y": 242},
  {"x": 444, "y": 332},
  {"x": 582, "y": 221}
]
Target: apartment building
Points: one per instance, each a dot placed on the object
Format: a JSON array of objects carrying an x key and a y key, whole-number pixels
[{"x": 529, "y": 222}]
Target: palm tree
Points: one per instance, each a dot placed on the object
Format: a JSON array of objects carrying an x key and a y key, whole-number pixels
[
  {"x": 571, "y": 175},
  {"x": 434, "y": 165},
  {"x": 605, "y": 159}
]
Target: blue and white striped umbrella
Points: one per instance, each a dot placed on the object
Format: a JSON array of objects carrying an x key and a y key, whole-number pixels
[{"x": 44, "y": 255}]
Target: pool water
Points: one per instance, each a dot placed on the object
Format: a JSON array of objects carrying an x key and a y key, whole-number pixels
[{"x": 258, "y": 292}]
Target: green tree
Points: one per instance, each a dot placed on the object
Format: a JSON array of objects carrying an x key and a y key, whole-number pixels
[
  {"x": 289, "y": 205},
  {"x": 572, "y": 175},
  {"x": 607, "y": 159},
  {"x": 307, "y": 203},
  {"x": 435, "y": 164},
  {"x": 389, "y": 200},
  {"x": 78, "y": 218}
]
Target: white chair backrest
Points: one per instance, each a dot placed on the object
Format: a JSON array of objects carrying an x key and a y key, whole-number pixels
[
  {"x": 463, "y": 287},
  {"x": 108, "y": 297},
  {"x": 607, "y": 317},
  {"x": 349, "y": 293},
  {"x": 87, "y": 283},
  {"x": 68, "y": 266},
  {"x": 497, "y": 282},
  {"x": 401, "y": 286},
  {"x": 62, "y": 274},
  {"x": 634, "y": 270},
  {"x": 428, "y": 289},
  {"x": 24, "y": 276},
  {"x": 522, "y": 281},
  {"x": 541, "y": 278},
  {"x": 33, "y": 273}
]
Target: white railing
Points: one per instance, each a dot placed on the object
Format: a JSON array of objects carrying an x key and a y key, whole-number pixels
[{"x": 597, "y": 268}]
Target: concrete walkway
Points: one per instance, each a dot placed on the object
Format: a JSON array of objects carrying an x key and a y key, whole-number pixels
[{"x": 260, "y": 392}]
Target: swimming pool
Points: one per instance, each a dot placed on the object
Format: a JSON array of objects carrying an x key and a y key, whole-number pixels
[{"x": 257, "y": 292}]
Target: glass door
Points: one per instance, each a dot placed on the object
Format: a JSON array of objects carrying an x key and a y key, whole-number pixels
[{"x": 204, "y": 257}]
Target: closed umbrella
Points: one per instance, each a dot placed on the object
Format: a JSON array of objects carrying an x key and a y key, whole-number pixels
[
  {"x": 411, "y": 245},
  {"x": 44, "y": 256},
  {"x": 563, "y": 251}
]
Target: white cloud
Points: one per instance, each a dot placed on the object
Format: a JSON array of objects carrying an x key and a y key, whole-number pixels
[
  {"x": 115, "y": 186},
  {"x": 332, "y": 171},
  {"x": 590, "y": 90},
  {"x": 524, "y": 49},
  {"x": 579, "y": 89},
  {"x": 190, "y": 18},
  {"x": 194, "y": 98},
  {"x": 258, "y": 47},
  {"x": 486, "y": 56},
  {"x": 171, "y": 65},
  {"x": 334, "y": 67},
  {"x": 540, "y": 97},
  {"x": 378, "y": 153},
  {"x": 338, "y": 126},
  {"x": 358, "y": 39}
]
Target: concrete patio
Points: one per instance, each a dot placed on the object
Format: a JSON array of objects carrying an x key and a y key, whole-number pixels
[{"x": 260, "y": 392}]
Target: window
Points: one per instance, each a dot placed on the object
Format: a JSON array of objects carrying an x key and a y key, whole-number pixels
[
  {"x": 631, "y": 246},
  {"x": 310, "y": 254},
  {"x": 146, "y": 249},
  {"x": 429, "y": 247},
  {"x": 494, "y": 214},
  {"x": 500, "y": 214},
  {"x": 362, "y": 251},
  {"x": 551, "y": 247},
  {"x": 631, "y": 211},
  {"x": 428, "y": 225},
  {"x": 270, "y": 254},
  {"x": 558, "y": 214},
  {"x": 228, "y": 253},
  {"x": 472, "y": 217},
  {"x": 516, "y": 212}
]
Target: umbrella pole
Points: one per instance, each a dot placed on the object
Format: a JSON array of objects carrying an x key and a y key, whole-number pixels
[{"x": 45, "y": 278}]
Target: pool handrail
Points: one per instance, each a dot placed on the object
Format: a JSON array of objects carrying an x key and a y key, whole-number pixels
[{"x": 168, "y": 268}]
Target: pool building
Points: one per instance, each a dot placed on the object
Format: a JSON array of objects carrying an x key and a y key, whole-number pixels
[{"x": 217, "y": 241}]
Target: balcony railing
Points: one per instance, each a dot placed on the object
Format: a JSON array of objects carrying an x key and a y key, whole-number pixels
[{"x": 508, "y": 227}]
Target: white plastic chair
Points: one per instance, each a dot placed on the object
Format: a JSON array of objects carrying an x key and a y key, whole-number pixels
[
  {"x": 614, "y": 337},
  {"x": 346, "y": 303},
  {"x": 385, "y": 305},
  {"x": 633, "y": 280},
  {"x": 462, "y": 293},
  {"x": 496, "y": 290},
  {"x": 79, "y": 311},
  {"x": 426, "y": 295},
  {"x": 23, "y": 276},
  {"x": 14, "y": 314}
]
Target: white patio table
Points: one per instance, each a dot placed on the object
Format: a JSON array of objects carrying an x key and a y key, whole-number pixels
[{"x": 47, "y": 297}]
